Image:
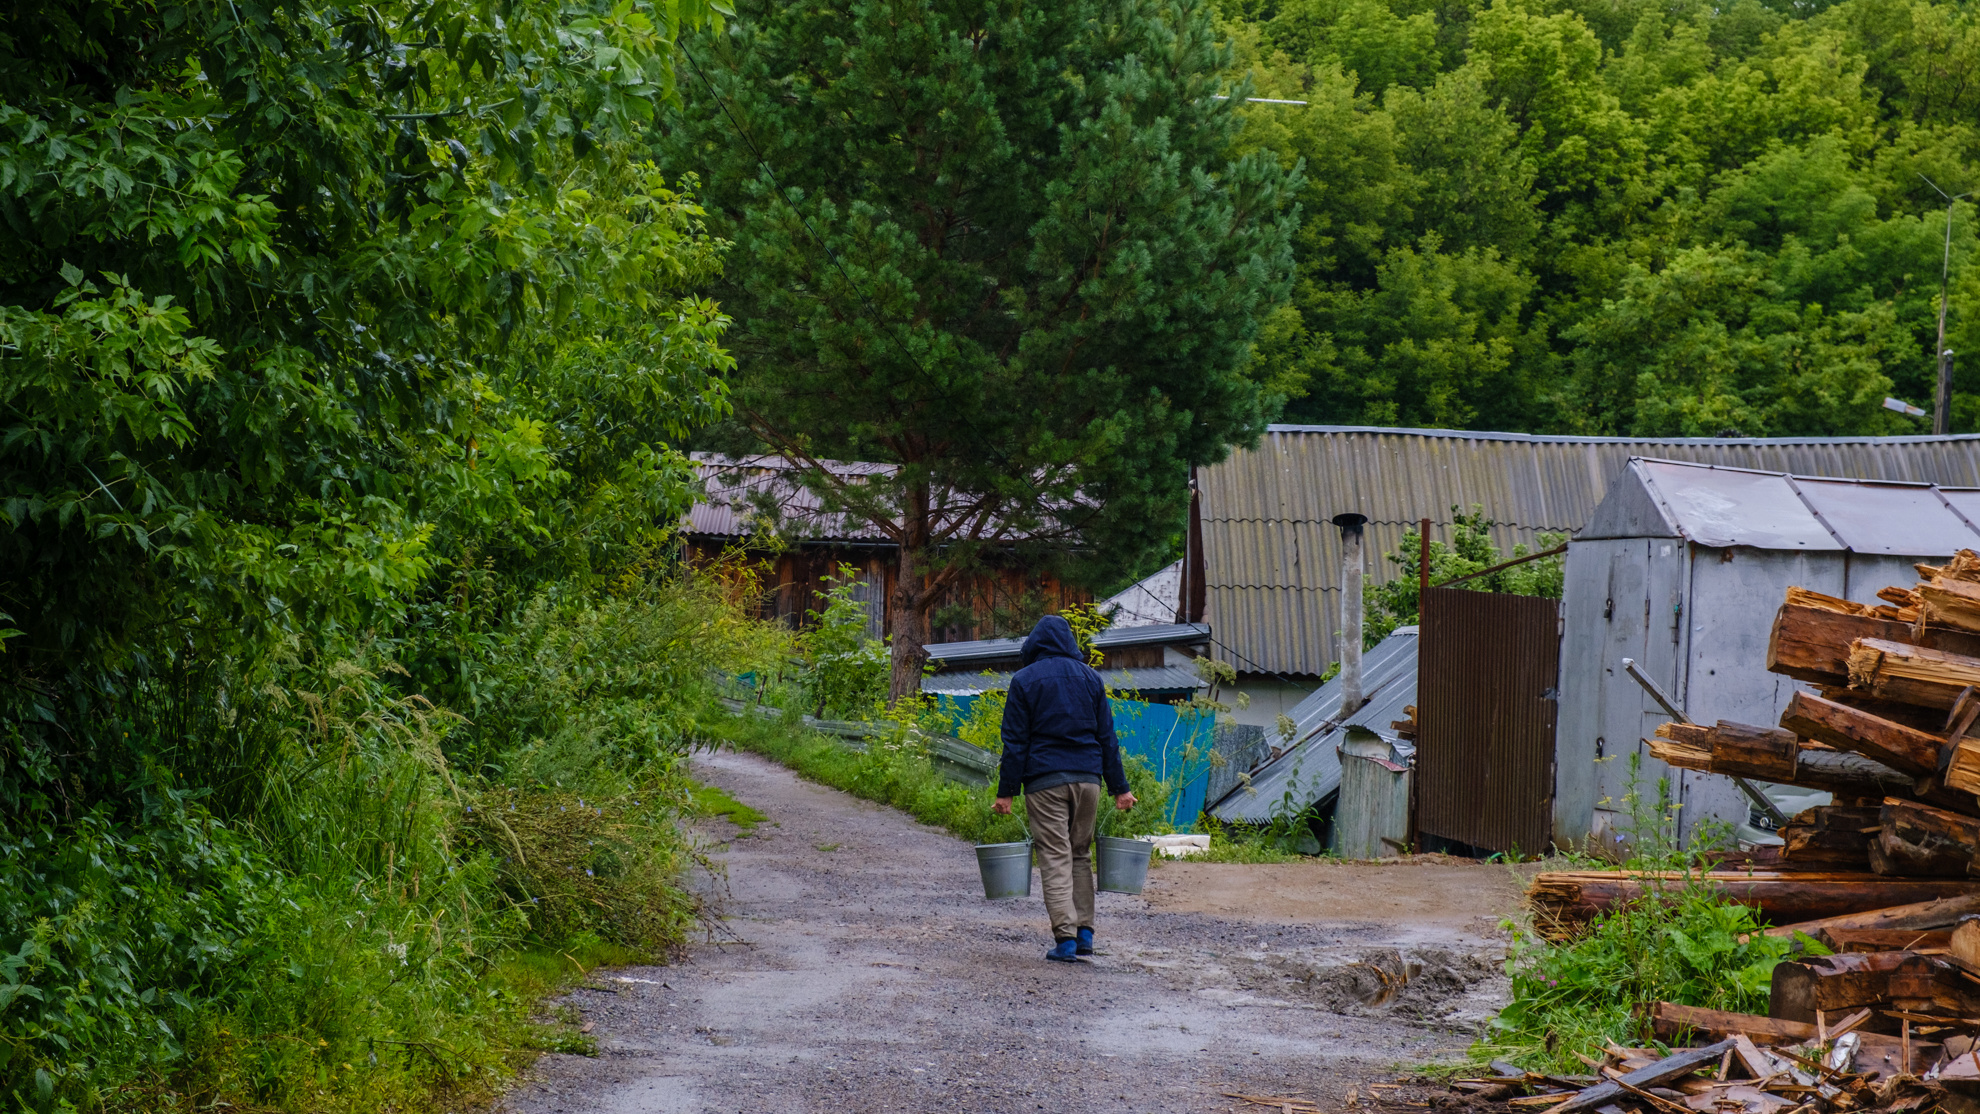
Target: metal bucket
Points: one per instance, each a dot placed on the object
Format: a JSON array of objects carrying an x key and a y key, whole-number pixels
[
  {"x": 1006, "y": 869},
  {"x": 1123, "y": 864}
]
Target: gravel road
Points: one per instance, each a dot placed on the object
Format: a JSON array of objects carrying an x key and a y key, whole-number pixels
[{"x": 869, "y": 975}]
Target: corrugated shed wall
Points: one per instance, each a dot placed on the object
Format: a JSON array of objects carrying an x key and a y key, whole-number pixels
[{"x": 1272, "y": 558}]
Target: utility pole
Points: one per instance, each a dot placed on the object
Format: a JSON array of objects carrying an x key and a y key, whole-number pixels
[{"x": 1941, "y": 355}]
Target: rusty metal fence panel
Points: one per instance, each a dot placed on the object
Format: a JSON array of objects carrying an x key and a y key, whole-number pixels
[{"x": 1489, "y": 664}]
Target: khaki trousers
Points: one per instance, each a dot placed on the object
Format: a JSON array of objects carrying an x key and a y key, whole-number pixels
[{"x": 1062, "y": 833}]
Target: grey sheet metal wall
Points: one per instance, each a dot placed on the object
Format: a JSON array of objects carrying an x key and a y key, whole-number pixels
[{"x": 1683, "y": 570}]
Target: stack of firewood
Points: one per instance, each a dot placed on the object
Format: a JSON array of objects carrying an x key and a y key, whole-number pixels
[
  {"x": 1752, "y": 1065},
  {"x": 1888, "y": 875},
  {"x": 1889, "y": 731}
]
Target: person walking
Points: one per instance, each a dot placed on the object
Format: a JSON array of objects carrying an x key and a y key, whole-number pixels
[{"x": 1059, "y": 746}]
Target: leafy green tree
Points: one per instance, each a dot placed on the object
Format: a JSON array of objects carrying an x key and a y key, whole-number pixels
[
  {"x": 1397, "y": 603},
  {"x": 1718, "y": 218},
  {"x": 1002, "y": 248},
  {"x": 310, "y": 315}
]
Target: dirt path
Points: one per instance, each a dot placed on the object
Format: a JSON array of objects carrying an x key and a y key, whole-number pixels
[{"x": 874, "y": 977}]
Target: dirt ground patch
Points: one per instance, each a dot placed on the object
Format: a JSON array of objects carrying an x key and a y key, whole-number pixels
[
  {"x": 865, "y": 973},
  {"x": 1436, "y": 897}
]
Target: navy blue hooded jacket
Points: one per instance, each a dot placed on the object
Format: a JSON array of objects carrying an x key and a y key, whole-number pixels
[{"x": 1056, "y": 719}]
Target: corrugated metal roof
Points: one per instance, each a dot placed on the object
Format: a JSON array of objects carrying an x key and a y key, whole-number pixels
[
  {"x": 1720, "y": 507},
  {"x": 1113, "y": 638},
  {"x": 1171, "y": 678},
  {"x": 735, "y": 486},
  {"x": 1311, "y": 769},
  {"x": 1272, "y": 557}
]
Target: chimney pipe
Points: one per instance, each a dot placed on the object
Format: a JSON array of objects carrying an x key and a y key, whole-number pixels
[{"x": 1351, "y": 612}]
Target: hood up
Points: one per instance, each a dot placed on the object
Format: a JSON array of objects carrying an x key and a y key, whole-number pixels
[{"x": 1052, "y": 637}]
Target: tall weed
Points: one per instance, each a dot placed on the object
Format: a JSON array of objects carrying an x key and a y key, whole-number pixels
[{"x": 1680, "y": 942}]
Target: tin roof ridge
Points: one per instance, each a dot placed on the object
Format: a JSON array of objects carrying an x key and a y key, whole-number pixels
[{"x": 1572, "y": 439}]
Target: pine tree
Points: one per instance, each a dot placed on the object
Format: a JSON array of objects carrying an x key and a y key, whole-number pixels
[{"x": 1001, "y": 246}]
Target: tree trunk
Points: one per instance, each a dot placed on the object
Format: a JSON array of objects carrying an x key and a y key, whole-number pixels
[{"x": 907, "y": 618}]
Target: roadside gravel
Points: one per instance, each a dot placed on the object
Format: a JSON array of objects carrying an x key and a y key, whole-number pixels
[{"x": 867, "y": 974}]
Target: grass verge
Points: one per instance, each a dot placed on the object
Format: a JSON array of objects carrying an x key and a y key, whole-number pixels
[{"x": 901, "y": 776}]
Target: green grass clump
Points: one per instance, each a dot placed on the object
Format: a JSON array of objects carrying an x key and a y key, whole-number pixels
[
  {"x": 713, "y": 800},
  {"x": 1230, "y": 843}
]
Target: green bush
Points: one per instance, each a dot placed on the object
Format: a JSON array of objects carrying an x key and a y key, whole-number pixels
[
  {"x": 1684, "y": 943},
  {"x": 845, "y": 672},
  {"x": 1681, "y": 942}
]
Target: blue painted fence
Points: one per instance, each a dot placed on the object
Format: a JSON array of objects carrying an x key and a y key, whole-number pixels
[{"x": 1175, "y": 744}]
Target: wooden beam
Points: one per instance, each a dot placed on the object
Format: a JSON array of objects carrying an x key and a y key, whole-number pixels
[
  {"x": 1681, "y": 1062},
  {"x": 1901, "y": 747},
  {"x": 1939, "y": 912},
  {"x": 1831, "y": 983},
  {"x": 1672, "y": 1021},
  {"x": 1830, "y": 837},
  {"x": 1564, "y": 901}
]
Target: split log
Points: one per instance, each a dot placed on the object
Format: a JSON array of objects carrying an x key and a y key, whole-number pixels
[
  {"x": 1564, "y": 901},
  {"x": 1932, "y": 985},
  {"x": 1940, "y": 912},
  {"x": 1831, "y": 983},
  {"x": 1949, "y": 603},
  {"x": 1964, "y": 944},
  {"x": 1903, "y": 748},
  {"x": 1772, "y": 754},
  {"x": 1919, "y": 839},
  {"x": 1804, "y": 848},
  {"x": 1962, "y": 772},
  {"x": 1910, "y": 674},
  {"x": 1830, "y": 834},
  {"x": 1812, "y": 632},
  {"x": 1681, "y": 1062}
]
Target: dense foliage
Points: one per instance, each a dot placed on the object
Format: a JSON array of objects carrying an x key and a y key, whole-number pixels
[
  {"x": 1397, "y": 602},
  {"x": 1004, "y": 247},
  {"x": 1669, "y": 218},
  {"x": 340, "y": 351}
]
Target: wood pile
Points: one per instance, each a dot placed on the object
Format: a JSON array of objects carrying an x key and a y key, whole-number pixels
[
  {"x": 1887, "y": 876},
  {"x": 1755, "y": 1065}
]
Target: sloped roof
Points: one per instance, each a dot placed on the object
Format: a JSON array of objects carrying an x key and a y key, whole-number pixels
[
  {"x": 1723, "y": 507},
  {"x": 1147, "y": 602},
  {"x": 1272, "y": 556},
  {"x": 1162, "y": 679},
  {"x": 734, "y": 486},
  {"x": 1310, "y": 769},
  {"x": 953, "y": 654}
]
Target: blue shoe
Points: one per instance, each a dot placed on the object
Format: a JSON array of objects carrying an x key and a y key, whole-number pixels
[
  {"x": 1084, "y": 942},
  {"x": 1067, "y": 951}
]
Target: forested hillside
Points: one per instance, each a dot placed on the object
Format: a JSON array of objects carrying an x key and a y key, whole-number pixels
[{"x": 1621, "y": 217}]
